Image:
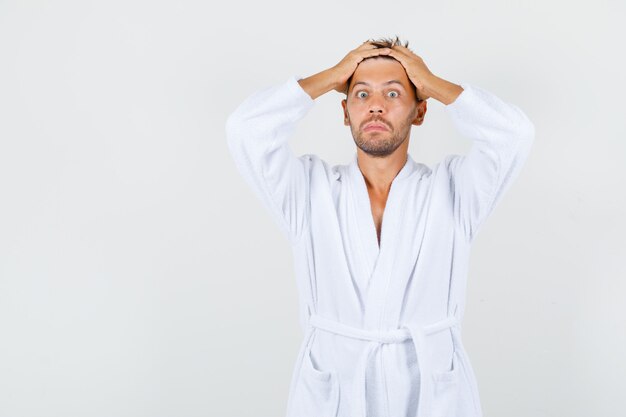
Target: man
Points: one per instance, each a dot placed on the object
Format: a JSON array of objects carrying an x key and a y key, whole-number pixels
[{"x": 381, "y": 245}]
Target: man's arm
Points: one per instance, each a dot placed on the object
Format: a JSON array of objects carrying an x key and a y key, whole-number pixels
[
  {"x": 502, "y": 136},
  {"x": 319, "y": 84},
  {"x": 336, "y": 78},
  {"x": 442, "y": 90},
  {"x": 258, "y": 130},
  {"x": 257, "y": 133}
]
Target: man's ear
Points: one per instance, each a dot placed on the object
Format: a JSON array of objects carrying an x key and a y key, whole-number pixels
[
  {"x": 421, "y": 112},
  {"x": 346, "y": 118}
]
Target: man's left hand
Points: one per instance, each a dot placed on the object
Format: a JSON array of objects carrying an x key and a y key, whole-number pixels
[
  {"x": 426, "y": 83},
  {"x": 418, "y": 72}
]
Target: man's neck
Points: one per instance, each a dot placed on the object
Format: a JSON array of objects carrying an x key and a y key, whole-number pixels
[{"x": 380, "y": 172}]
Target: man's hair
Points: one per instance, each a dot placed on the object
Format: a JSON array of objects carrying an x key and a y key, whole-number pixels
[
  {"x": 388, "y": 42},
  {"x": 385, "y": 43}
]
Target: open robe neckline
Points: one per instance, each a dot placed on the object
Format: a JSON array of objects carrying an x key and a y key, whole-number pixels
[{"x": 375, "y": 256}]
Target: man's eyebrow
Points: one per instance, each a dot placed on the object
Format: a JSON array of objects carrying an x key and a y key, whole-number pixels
[{"x": 387, "y": 83}]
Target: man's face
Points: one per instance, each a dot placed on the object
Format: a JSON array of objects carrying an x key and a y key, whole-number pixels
[{"x": 381, "y": 93}]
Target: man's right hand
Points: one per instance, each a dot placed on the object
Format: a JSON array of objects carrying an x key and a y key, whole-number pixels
[
  {"x": 346, "y": 67},
  {"x": 336, "y": 78}
]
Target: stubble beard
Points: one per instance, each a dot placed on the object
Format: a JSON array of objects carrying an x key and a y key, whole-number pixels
[{"x": 378, "y": 143}]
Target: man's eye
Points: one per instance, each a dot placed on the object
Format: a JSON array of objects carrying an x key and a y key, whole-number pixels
[
  {"x": 395, "y": 94},
  {"x": 359, "y": 94}
]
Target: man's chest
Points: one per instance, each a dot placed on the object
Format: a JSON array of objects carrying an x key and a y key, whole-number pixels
[{"x": 377, "y": 205}]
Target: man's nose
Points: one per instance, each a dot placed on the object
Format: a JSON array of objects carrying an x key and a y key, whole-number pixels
[
  {"x": 376, "y": 105},
  {"x": 376, "y": 109}
]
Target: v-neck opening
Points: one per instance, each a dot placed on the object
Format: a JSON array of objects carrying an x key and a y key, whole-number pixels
[{"x": 367, "y": 225}]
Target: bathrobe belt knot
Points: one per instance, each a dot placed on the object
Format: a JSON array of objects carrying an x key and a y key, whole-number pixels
[{"x": 417, "y": 334}]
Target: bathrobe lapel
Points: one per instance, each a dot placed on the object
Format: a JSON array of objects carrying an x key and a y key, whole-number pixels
[{"x": 378, "y": 261}]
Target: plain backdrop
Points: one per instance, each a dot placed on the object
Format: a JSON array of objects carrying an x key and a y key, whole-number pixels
[{"x": 139, "y": 276}]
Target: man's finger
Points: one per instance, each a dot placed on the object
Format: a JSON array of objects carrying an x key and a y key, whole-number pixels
[
  {"x": 399, "y": 56},
  {"x": 404, "y": 51},
  {"x": 398, "y": 52},
  {"x": 376, "y": 51}
]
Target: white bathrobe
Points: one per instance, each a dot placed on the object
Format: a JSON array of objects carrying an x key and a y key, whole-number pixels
[{"x": 382, "y": 325}]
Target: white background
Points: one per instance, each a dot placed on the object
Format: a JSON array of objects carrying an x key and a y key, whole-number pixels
[{"x": 139, "y": 276}]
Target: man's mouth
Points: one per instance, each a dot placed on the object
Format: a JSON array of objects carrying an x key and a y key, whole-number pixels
[{"x": 375, "y": 126}]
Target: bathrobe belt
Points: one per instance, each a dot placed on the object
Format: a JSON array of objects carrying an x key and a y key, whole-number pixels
[{"x": 416, "y": 333}]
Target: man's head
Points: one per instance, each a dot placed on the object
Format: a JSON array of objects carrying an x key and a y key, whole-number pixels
[{"x": 380, "y": 92}]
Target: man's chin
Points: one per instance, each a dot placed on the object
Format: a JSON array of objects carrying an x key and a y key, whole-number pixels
[{"x": 376, "y": 152}]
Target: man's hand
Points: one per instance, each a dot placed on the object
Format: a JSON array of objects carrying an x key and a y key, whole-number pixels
[
  {"x": 346, "y": 67},
  {"x": 336, "y": 78},
  {"x": 427, "y": 84}
]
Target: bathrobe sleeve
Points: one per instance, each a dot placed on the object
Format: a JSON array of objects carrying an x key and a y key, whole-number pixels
[
  {"x": 501, "y": 136},
  {"x": 257, "y": 132}
]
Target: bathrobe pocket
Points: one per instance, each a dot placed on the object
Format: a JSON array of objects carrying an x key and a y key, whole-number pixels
[
  {"x": 317, "y": 391},
  {"x": 446, "y": 389}
]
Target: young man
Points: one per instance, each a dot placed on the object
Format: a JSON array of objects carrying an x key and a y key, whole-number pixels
[{"x": 382, "y": 244}]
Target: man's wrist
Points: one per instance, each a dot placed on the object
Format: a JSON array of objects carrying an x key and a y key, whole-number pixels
[
  {"x": 318, "y": 84},
  {"x": 442, "y": 90}
]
